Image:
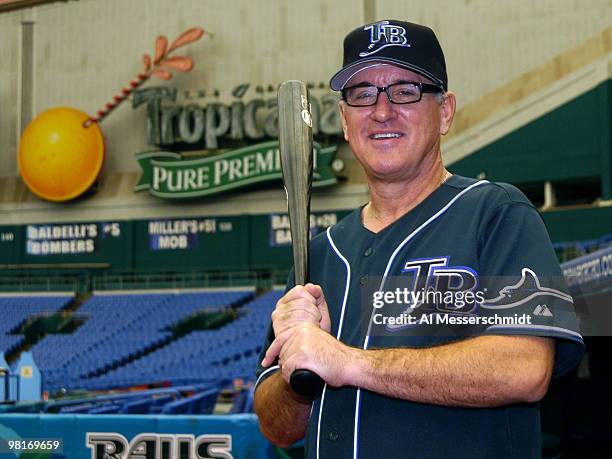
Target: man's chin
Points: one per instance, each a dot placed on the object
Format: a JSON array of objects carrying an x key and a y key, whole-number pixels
[{"x": 389, "y": 172}]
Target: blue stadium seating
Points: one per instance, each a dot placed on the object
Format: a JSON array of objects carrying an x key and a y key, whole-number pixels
[
  {"x": 156, "y": 397},
  {"x": 15, "y": 310},
  {"x": 140, "y": 406},
  {"x": 214, "y": 356},
  {"x": 77, "y": 408},
  {"x": 201, "y": 403},
  {"x": 191, "y": 399},
  {"x": 238, "y": 405},
  {"x": 109, "y": 408},
  {"x": 118, "y": 329},
  {"x": 126, "y": 340}
]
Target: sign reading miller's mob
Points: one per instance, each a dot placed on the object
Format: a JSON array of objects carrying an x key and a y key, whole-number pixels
[{"x": 167, "y": 174}]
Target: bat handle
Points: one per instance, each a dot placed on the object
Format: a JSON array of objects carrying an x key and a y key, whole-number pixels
[{"x": 306, "y": 383}]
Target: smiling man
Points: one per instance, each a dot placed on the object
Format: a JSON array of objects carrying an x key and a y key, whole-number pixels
[{"x": 417, "y": 390}]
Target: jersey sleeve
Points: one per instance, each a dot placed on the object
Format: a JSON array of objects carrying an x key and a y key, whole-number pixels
[
  {"x": 263, "y": 372},
  {"x": 521, "y": 278}
]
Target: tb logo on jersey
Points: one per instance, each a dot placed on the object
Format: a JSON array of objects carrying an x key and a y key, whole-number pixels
[
  {"x": 382, "y": 34},
  {"x": 436, "y": 279}
]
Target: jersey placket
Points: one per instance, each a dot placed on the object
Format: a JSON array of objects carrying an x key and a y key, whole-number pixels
[{"x": 367, "y": 263}]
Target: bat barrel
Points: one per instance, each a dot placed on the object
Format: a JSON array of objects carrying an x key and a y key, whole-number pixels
[{"x": 295, "y": 144}]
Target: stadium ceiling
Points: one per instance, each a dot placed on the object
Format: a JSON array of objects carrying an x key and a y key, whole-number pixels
[{"x": 10, "y": 5}]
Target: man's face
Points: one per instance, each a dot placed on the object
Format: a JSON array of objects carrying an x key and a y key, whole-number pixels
[{"x": 391, "y": 141}]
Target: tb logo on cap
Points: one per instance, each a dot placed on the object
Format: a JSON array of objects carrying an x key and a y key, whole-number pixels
[{"x": 383, "y": 34}]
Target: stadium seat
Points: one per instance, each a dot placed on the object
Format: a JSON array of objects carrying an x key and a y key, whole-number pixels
[
  {"x": 105, "y": 409},
  {"x": 140, "y": 406},
  {"x": 201, "y": 403}
]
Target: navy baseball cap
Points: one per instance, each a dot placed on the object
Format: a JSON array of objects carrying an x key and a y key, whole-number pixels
[{"x": 404, "y": 44}]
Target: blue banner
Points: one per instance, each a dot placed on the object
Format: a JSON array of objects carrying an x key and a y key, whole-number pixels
[
  {"x": 125, "y": 436},
  {"x": 593, "y": 270}
]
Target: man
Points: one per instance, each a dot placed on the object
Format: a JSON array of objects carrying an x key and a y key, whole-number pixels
[{"x": 407, "y": 389}]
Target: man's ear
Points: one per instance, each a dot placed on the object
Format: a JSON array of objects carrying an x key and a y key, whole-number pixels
[
  {"x": 447, "y": 111},
  {"x": 342, "y": 108}
]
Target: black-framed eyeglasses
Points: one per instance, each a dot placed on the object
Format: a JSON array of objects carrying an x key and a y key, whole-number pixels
[{"x": 408, "y": 92}]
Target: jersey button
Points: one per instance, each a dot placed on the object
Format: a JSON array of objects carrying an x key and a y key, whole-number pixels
[
  {"x": 333, "y": 435},
  {"x": 369, "y": 251},
  {"x": 364, "y": 280}
]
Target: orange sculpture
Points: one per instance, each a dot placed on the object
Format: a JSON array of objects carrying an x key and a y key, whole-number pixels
[{"x": 61, "y": 152}]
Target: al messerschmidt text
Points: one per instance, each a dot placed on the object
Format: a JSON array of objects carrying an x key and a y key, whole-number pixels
[{"x": 448, "y": 319}]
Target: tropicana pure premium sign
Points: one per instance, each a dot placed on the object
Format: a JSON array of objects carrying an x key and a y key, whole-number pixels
[{"x": 216, "y": 147}]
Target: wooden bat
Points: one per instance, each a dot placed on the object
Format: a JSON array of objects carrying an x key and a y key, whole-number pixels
[{"x": 295, "y": 143}]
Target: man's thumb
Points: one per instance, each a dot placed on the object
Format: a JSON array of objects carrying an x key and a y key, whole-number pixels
[{"x": 317, "y": 292}]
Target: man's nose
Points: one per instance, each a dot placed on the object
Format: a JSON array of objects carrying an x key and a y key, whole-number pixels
[{"x": 384, "y": 109}]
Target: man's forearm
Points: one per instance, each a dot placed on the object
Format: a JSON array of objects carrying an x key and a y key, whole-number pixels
[
  {"x": 283, "y": 415},
  {"x": 483, "y": 371}
]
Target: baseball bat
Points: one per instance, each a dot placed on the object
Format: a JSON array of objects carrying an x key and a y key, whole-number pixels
[{"x": 295, "y": 144}]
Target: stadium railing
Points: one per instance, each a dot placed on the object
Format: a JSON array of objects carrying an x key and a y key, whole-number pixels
[
  {"x": 39, "y": 284},
  {"x": 138, "y": 280},
  {"x": 85, "y": 280}
]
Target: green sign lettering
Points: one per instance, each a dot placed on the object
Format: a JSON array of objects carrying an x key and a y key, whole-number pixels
[{"x": 166, "y": 175}]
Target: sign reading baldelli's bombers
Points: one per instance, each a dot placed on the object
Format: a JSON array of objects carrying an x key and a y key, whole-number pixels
[{"x": 166, "y": 174}]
